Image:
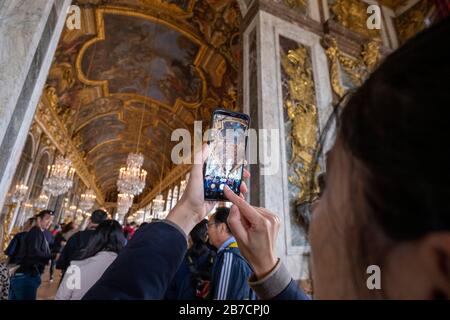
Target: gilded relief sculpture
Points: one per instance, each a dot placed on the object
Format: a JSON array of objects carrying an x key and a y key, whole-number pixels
[
  {"x": 352, "y": 15},
  {"x": 350, "y": 72},
  {"x": 300, "y": 104}
]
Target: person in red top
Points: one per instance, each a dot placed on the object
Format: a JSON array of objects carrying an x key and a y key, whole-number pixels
[{"x": 129, "y": 230}]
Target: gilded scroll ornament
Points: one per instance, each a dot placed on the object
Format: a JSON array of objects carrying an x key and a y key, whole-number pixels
[
  {"x": 302, "y": 113},
  {"x": 356, "y": 70},
  {"x": 352, "y": 14}
]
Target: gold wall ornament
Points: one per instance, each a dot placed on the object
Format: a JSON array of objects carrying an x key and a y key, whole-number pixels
[
  {"x": 351, "y": 72},
  {"x": 63, "y": 75},
  {"x": 300, "y": 104},
  {"x": 297, "y": 4},
  {"x": 6, "y": 222},
  {"x": 53, "y": 127},
  {"x": 352, "y": 14},
  {"x": 413, "y": 20}
]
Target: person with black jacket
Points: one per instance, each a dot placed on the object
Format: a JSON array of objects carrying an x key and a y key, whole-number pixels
[
  {"x": 58, "y": 245},
  {"x": 79, "y": 241},
  {"x": 34, "y": 255},
  {"x": 13, "y": 249}
]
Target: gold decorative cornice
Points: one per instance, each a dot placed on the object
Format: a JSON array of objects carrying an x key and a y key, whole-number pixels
[{"x": 48, "y": 120}]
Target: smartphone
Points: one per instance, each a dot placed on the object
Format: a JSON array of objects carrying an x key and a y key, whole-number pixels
[{"x": 227, "y": 145}]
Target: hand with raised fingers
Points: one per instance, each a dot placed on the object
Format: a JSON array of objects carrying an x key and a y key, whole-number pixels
[
  {"x": 255, "y": 230},
  {"x": 192, "y": 207}
]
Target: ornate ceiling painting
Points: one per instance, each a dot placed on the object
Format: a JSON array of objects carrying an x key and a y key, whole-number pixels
[{"x": 166, "y": 62}]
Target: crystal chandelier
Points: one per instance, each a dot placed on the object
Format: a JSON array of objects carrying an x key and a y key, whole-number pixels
[
  {"x": 132, "y": 177},
  {"x": 158, "y": 205},
  {"x": 41, "y": 202},
  {"x": 59, "y": 178},
  {"x": 19, "y": 193},
  {"x": 87, "y": 200},
  {"x": 124, "y": 202}
]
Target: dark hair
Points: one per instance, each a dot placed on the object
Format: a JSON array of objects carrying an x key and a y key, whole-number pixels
[
  {"x": 397, "y": 126},
  {"x": 143, "y": 224},
  {"x": 198, "y": 236},
  {"x": 108, "y": 237},
  {"x": 98, "y": 216},
  {"x": 221, "y": 216},
  {"x": 68, "y": 227},
  {"x": 394, "y": 128},
  {"x": 42, "y": 214}
]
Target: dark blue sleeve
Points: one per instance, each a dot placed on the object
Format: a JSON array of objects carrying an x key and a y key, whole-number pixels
[
  {"x": 145, "y": 267},
  {"x": 292, "y": 292}
]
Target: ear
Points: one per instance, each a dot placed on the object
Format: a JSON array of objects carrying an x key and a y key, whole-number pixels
[
  {"x": 435, "y": 250},
  {"x": 419, "y": 269},
  {"x": 222, "y": 228}
]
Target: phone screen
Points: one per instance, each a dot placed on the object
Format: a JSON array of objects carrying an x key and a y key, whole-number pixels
[{"x": 225, "y": 162}]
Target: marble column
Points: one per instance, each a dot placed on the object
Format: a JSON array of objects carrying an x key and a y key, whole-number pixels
[
  {"x": 267, "y": 26},
  {"x": 29, "y": 33}
]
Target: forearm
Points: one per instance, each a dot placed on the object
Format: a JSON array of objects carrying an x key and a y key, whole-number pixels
[{"x": 145, "y": 267}]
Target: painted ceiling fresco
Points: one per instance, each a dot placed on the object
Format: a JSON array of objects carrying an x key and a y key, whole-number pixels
[{"x": 166, "y": 62}]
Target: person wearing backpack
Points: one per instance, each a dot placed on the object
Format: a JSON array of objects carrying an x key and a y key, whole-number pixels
[
  {"x": 13, "y": 249},
  {"x": 33, "y": 256}
]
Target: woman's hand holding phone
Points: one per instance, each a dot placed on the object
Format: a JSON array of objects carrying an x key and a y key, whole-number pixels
[{"x": 192, "y": 207}]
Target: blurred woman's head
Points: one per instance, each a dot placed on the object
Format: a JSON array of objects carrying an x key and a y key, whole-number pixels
[
  {"x": 69, "y": 226},
  {"x": 387, "y": 183},
  {"x": 108, "y": 237},
  {"x": 198, "y": 237}
]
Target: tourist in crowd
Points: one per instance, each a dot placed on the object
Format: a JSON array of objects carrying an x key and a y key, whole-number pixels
[
  {"x": 79, "y": 241},
  {"x": 58, "y": 245},
  {"x": 14, "y": 247},
  {"x": 34, "y": 255},
  {"x": 102, "y": 250},
  {"x": 230, "y": 270}
]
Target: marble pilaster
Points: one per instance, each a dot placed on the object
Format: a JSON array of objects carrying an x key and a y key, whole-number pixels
[
  {"x": 263, "y": 100},
  {"x": 29, "y": 33}
]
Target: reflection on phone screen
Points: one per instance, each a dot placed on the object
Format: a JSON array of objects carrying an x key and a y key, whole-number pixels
[{"x": 226, "y": 155}]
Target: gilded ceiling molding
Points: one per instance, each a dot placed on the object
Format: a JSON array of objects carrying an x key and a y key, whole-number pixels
[
  {"x": 104, "y": 85},
  {"x": 48, "y": 120},
  {"x": 172, "y": 177},
  {"x": 171, "y": 7}
]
